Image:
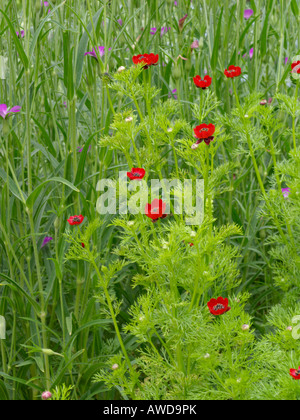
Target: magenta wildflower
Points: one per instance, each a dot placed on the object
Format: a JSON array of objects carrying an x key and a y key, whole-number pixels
[
  {"x": 286, "y": 192},
  {"x": 46, "y": 241},
  {"x": 250, "y": 53},
  {"x": 164, "y": 30},
  {"x": 286, "y": 60},
  {"x": 20, "y": 34},
  {"x": 4, "y": 112},
  {"x": 45, "y": 4},
  {"x": 93, "y": 52},
  {"x": 120, "y": 22},
  {"x": 173, "y": 94},
  {"x": 248, "y": 13},
  {"x": 80, "y": 149}
]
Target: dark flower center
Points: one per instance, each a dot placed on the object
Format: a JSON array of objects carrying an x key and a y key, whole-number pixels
[
  {"x": 136, "y": 174},
  {"x": 218, "y": 307},
  {"x": 297, "y": 373},
  {"x": 76, "y": 219},
  {"x": 204, "y": 129}
]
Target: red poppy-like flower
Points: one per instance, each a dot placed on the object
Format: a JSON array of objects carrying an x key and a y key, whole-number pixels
[
  {"x": 218, "y": 306},
  {"x": 233, "y": 71},
  {"x": 295, "y": 373},
  {"x": 136, "y": 173},
  {"x": 296, "y": 67},
  {"x": 202, "y": 83},
  {"x": 204, "y": 131},
  {"x": 146, "y": 59},
  {"x": 156, "y": 210},
  {"x": 82, "y": 244},
  {"x": 76, "y": 220}
]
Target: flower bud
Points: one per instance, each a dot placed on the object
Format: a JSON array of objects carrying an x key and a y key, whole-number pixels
[
  {"x": 120, "y": 69},
  {"x": 115, "y": 366},
  {"x": 56, "y": 223},
  {"x": 48, "y": 352},
  {"x": 181, "y": 22},
  {"x": 195, "y": 45},
  {"x": 46, "y": 395},
  {"x": 176, "y": 73},
  {"x": 289, "y": 328},
  {"x": 188, "y": 65},
  {"x": 245, "y": 327}
]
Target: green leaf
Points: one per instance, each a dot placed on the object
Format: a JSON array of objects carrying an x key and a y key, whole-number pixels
[
  {"x": 82, "y": 46},
  {"x": 40, "y": 27},
  {"x": 295, "y": 9},
  {"x": 13, "y": 284},
  {"x": 215, "y": 53},
  {"x": 34, "y": 195},
  {"x": 4, "y": 396},
  {"x": 69, "y": 323},
  {"x": 13, "y": 187},
  {"x": 2, "y": 328},
  {"x": 22, "y": 381},
  {"x": 83, "y": 155},
  {"x": 21, "y": 52},
  {"x": 264, "y": 33}
]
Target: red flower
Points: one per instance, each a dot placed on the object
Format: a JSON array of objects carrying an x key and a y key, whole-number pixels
[
  {"x": 203, "y": 84},
  {"x": 233, "y": 71},
  {"x": 156, "y": 210},
  {"x": 76, "y": 220},
  {"x": 204, "y": 131},
  {"x": 296, "y": 67},
  {"x": 146, "y": 59},
  {"x": 82, "y": 244},
  {"x": 136, "y": 173},
  {"x": 218, "y": 306},
  {"x": 295, "y": 373}
]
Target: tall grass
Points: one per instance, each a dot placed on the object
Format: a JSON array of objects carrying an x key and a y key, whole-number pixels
[{"x": 56, "y": 332}]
